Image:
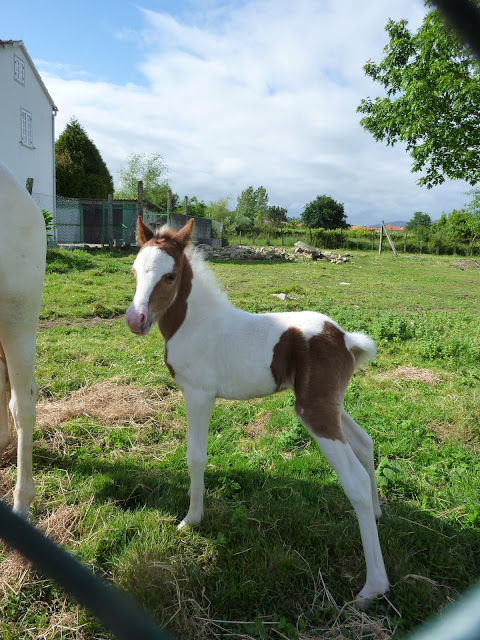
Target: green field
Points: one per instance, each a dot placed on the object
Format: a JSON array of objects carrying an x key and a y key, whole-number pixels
[{"x": 278, "y": 554}]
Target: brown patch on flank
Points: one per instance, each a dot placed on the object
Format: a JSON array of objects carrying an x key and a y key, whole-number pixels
[
  {"x": 413, "y": 373},
  {"x": 318, "y": 370},
  {"x": 108, "y": 402}
]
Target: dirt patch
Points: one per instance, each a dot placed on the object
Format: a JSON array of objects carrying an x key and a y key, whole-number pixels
[
  {"x": 413, "y": 373},
  {"x": 466, "y": 264},
  {"x": 84, "y": 322},
  {"x": 257, "y": 427},
  {"x": 106, "y": 401},
  {"x": 447, "y": 432}
]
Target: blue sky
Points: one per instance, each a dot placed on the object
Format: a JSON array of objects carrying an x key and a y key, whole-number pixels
[{"x": 232, "y": 94}]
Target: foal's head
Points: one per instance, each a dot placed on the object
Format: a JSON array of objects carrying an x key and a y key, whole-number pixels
[{"x": 161, "y": 291}]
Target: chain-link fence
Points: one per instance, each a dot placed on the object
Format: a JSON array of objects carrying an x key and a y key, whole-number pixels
[
  {"x": 78, "y": 221},
  {"x": 81, "y": 221},
  {"x": 155, "y": 220}
]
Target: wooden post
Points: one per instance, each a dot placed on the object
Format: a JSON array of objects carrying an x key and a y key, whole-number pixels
[
  {"x": 185, "y": 205},
  {"x": 471, "y": 246},
  {"x": 109, "y": 220},
  {"x": 283, "y": 238},
  {"x": 381, "y": 239},
  {"x": 373, "y": 240},
  {"x": 169, "y": 201},
  {"x": 390, "y": 241},
  {"x": 140, "y": 199},
  {"x": 405, "y": 242},
  {"x": 29, "y": 185}
]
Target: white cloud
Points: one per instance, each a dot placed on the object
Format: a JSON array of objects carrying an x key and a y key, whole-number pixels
[{"x": 264, "y": 94}]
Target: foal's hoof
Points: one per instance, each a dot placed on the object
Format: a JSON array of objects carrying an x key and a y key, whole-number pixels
[
  {"x": 189, "y": 521},
  {"x": 362, "y": 602}
]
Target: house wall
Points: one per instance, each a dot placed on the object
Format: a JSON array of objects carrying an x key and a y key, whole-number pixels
[{"x": 37, "y": 161}]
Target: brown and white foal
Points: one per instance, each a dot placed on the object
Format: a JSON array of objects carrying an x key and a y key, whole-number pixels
[{"x": 214, "y": 350}]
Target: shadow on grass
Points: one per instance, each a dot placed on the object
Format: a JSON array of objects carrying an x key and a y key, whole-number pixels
[{"x": 268, "y": 543}]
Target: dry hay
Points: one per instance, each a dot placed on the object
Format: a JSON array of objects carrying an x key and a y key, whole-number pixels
[
  {"x": 258, "y": 426},
  {"x": 58, "y": 525},
  {"x": 106, "y": 401},
  {"x": 413, "y": 373}
]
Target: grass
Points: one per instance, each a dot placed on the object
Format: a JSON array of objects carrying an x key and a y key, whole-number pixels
[{"x": 278, "y": 554}]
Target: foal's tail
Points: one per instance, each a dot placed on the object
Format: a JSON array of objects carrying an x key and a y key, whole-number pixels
[{"x": 361, "y": 347}]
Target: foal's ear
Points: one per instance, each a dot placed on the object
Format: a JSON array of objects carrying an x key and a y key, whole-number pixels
[
  {"x": 144, "y": 233},
  {"x": 185, "y": 234}
]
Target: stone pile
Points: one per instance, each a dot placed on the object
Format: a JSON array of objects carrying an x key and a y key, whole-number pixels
[{"x": 304, "y": 252}]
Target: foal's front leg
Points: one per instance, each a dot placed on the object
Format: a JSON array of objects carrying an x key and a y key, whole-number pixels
[{"x": 199, "y": 407}]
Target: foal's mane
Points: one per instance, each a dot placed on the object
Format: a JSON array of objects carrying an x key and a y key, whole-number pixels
[{"x": 211, "y": 288}]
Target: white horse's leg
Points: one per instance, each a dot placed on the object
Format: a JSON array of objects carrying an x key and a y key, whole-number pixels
[
  {"x": 362, "y": 445},
  {"x": 199, "y": 410},
  {"x": 20, "y": 355},
  {"x": 357, "y": 486},
  {"x": 4, "y": 430}
]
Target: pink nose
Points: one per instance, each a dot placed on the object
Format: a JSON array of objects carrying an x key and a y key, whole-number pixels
[{"x": 137, "y": 320}]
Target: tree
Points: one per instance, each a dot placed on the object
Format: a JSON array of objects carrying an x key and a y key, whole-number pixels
[
  {"x": 458, "y": 224},
  {"x": 432, "y": 101},
  {"x": 80, "y": 170},
  {"x": 420, "y": 225},
  {"x": 324, "y": 212},
  {"x": 275, "y": 215},
  {"x": 219, "y": 211},
  {"x": 251, "y": 207},
  {"x": 473, "y": 209},
  {"x": 152, "y": 170},
  {"x": 194, "y": 207}
]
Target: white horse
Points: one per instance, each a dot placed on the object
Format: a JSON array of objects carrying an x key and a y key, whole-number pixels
[
  {"x": 22, "y": 270},
  {"x": 214, "y": 350}
]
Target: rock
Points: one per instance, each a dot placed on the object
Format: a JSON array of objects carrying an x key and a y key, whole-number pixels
[
  {"x": 306, "y": 248},
  {"x": 282, "y": 296}
]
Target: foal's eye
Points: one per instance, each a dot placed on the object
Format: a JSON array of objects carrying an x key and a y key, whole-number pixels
[{"x": 171, "y": 277}]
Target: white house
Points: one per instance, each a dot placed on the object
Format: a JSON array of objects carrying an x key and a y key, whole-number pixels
[{"x": 27, "y": 118}]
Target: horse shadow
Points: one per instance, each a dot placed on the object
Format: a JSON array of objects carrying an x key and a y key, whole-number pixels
[{"x": 286, "y": 525}]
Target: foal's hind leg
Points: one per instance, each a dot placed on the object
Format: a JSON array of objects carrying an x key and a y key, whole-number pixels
[
  {"x": 199, "y": 408},
  {"x": 355, "y": 481},
  {"x": 20, "y": 357},
  {"x": 362, "y": 445}
]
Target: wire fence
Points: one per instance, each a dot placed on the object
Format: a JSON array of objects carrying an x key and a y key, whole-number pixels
[{"x": 79, "y": 221}]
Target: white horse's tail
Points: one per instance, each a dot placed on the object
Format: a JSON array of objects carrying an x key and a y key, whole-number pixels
[{"x": 361, "y": 347}]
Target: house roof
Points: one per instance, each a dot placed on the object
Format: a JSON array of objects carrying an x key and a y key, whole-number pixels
[{"x": 19, "y": 43}]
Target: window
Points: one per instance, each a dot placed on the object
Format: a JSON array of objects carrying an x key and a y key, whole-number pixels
[
  {"x": 26, "y": 128},
  {"x": 19, "y": 70}
]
